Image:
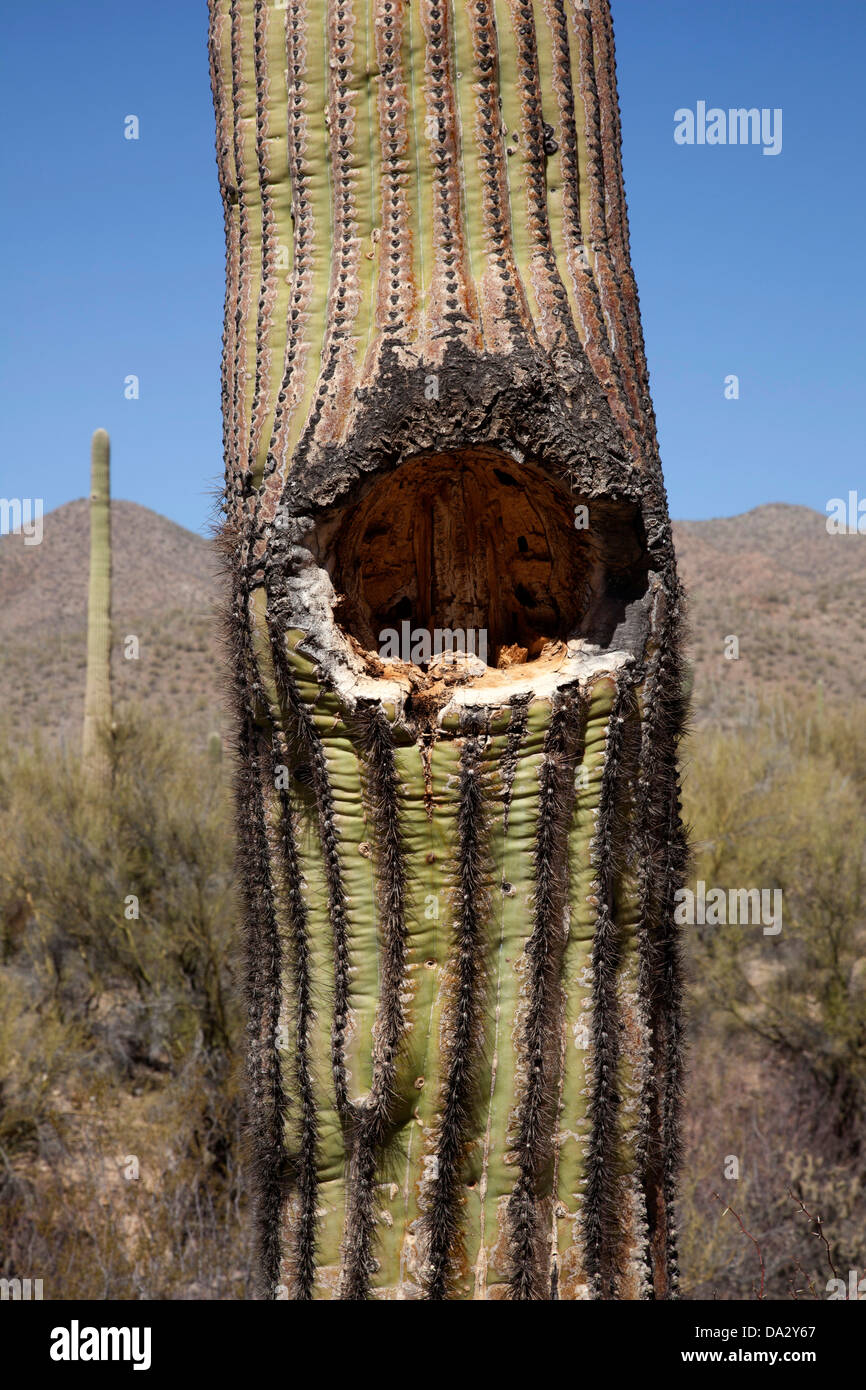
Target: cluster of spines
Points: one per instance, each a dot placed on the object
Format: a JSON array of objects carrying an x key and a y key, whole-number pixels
[
  {"x": 534, "y": 141},
  {"x": 448, "y": 185},
  {"x": 618, "y": 234},
  {"x": 223, "y": 153},
  {"x": 494, "y": 187},
  {"x": 543, "y": 952},
  {"x": 310, "y": 741},
  {"x": 301, "y": 230},
  {"x": 466, "y": 1014},
  {"x": 600, "y": 1202},
  {"x": 395, "y": 208},
  {"x": 302, "y": 1259},
  {"x": 373, "y": 1116},
  {"x": 517, "y": 724},
  {"x": 267, "y": 287},
  {"x": 663, "y": 854},
  {"x": 266, "y": 1106},
  {"x": 238, "y": 467},
  {"x": 343, "y": 291}
]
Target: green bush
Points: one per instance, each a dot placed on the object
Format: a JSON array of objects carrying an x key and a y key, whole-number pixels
[
  {"x": 119, "y": 1023},
  {"x": 778, "y": 1021}
]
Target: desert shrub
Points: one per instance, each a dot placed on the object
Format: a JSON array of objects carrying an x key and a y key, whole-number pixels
[
  {"x": 778, "y": 1021},
  {"x": 119, "y": 1022}
]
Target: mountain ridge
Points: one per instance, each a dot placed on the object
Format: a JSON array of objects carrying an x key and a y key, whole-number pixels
[{"x": 771, "y": 577}]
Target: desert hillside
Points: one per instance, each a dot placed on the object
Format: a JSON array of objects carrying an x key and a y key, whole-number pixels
[
  {"x": 166, "y": 592},
  {"x": 794, "y": 596}
]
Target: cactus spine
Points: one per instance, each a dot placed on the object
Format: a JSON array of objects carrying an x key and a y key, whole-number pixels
[
  {"x": 462, "y": 972},
  {"x": 97, "y": 696}
]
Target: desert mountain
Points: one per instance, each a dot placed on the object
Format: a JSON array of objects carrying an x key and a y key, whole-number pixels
[{"x": 792, "y": 595}]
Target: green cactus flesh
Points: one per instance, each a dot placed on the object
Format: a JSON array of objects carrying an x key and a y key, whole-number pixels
[{"x": 548, "y": 781}]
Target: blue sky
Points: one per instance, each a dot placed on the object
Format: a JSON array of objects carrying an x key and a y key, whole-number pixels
[{"x": 112, "y": 254}]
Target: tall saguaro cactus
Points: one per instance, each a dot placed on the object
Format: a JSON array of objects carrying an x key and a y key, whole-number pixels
[
  {"x": 458, "y": 874},
  {"x": 97, "y": 696}
]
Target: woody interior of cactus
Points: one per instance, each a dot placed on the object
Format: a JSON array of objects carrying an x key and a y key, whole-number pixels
[
  {"x": 457, "y": 864},
  {"x": 472, "y": 543}
]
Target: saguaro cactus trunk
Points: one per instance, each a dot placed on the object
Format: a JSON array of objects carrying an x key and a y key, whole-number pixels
[
  {"x": 458, "y": 873},
  {"x": 97, "y": 695}
]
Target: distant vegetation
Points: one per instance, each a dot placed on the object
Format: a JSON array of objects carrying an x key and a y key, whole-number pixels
[
  {"x": 120, "y": 1025},
  {"x": 778, "y": 1021},
  {"x": 120, "y": 1036}
]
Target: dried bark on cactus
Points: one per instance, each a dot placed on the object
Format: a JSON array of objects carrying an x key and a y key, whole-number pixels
[
  {"x": 97, "y": 695},
  {"x": 462, "y": 973}
]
